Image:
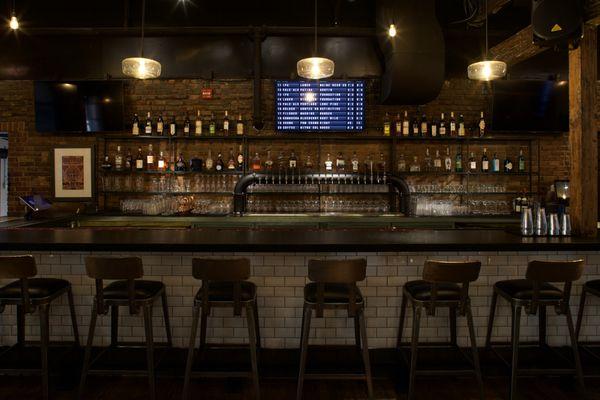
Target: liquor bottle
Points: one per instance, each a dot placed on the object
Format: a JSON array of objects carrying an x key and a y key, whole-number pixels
[
  {"x": 405, "y": 125},
  {"x": 452, "y": 124},
  {"x": 472, "y": 163},
  {"x": 328, "y": 163},
  {"x": 148, "y": 128},
  {"x": 150, "y": 166},
  {"x": 269, "y": 161},
  {"x": 415, "y": 126},
  {"x": 428, "y": 166},
  {"x": 458, "y": 161},
  {"x": 521, "y": 161},
  {"x": 485, "y": 163},
  {"x": 198, "y": 124},
  {"x": 256, "y": 164},
  {"x": 508, "y": 165},
  {"x": 355, "y": 163},
  {"x": 448, "y": 161},
  {"x": 160, "y": 125},
  {"x": 180, "y": 164},
  {"x": 139, "y": 160},
  {"x": 220, "y": 165},
  {"x": 135, "y": 125},
  {"x": 461, "y": 126},
  {"x": 398, "y": 126},
  {"x": 401, "y": 163},
  {"x": 381, "y": 165},
  {"x": 119, "y": 159},
  {"x": 226, "y": 124},
  {"x": 240, "y": 159},
  {"x": 424, "y": 131},
  {"x": 340, "y": 163},
  {"x": 212, "y": 125},
  {"x": 481, "y": 125},
  {"x": 495, "y": 163},
  {"x": 293, "y": 161},
  {"x": 308, "y": 164},
  {"x": 162, "y": 163},
  {"x": 173, "y": 127},
  {"x": 387, "y": 125},
  {"x": 196, "y": 164},
  {"x": 106, "y": 165},
  {"x": 231, "y": 162},
  {"x": 281, "y": 162},
  {"x": 415, "y": 167},
  {"x": 443, "y": 127},
  {"x": 129, "y": 162},
  {"x": 434, "y": 128},
  {"x": 369, "y": 164},
  {"x": 437, "y": 161},
  {"x": 209, "y": 161},
  {"x": 187, "y": 125},
  {"x": 239, "y": 126}
]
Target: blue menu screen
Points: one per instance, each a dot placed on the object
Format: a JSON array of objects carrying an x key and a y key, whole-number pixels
[{"x": 318, "y": 106}]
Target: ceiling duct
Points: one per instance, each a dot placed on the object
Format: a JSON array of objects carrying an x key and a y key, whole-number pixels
[{"x": 414, "y": 59}]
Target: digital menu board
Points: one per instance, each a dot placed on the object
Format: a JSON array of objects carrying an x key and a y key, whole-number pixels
[{"x": 318, "y": 106}]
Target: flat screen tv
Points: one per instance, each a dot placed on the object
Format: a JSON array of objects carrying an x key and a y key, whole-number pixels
[
  {"x": 530, "y": 105},
  {"x": 79, "y": 106},
  {"x": 320, "y": 106}
]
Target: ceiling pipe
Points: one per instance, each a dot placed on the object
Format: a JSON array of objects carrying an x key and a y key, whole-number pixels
[{"x": 257, "y": 120}]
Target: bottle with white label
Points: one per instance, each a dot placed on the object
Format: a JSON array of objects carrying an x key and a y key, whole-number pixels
[
  {"x": 415, "y": 167},
  {"x": 209, "y": 161},
  {"x": 401, "y": 163},
  {"x": 226, "y": 123},
  {"x": 239, "y": 126},
  {"x": 424, "y": 131},
  {"x": 485, "y": 163},
  {"x": 293, "y": 161},
  {"x": 340, "y": 163},
  {"x": 448, "y": 161},
  {"x": 461, "y": 126},
  {"x": 198, "y": 124},
  {"x": 220, "y": 165},
  {"x": 434, "y": 128},
  {"x": 135, "y": 125},
  {"x": 427, "y": 160},
  {"x": 405, "y": 125},
  {"x": 472, "y": 163},
  {"x": 162, "y": 164},
  {"x": 160, "y": 125},
  {"x": 328, "y": 163},
  {"x": 173, "y": 127},
  {"x": 148, "y": 128},
  {"x": 521, "y": 161},
  {"x": 150, "y": 159},
  {"x": 119, "y": 159},
  {"x": 187, "y": 125},
  {"x": 443, "y": 125},
  {"x": 355, "y": 163},
  {"x": 139, "y": 160},
  {"x": 437, "y": 161},
  {"x": 452, "y": 124}
]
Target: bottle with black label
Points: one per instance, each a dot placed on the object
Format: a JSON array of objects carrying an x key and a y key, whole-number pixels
[
  {"x": 240, "y": 159},
  {"x": 387, "y": 125},
  {"x": 139, "y": 160},
  {"x": 173, "y": 127},
  {"x": 135, "y": 125},
  {"x": 148, "y": 128},
  {"x": 187, "y": 125},
  {"x": 160, "y": 125},
  {"x": 485, "y": 163},
  {"x": 220, "y": 165}
]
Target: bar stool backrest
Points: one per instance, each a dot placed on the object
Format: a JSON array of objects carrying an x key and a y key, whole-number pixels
[
  {"x": 114, "y": 268},
  {"x": 234, "y": 270},
  {"x": 553, "y": 271},
  {"x": 463, "y": 272},
  {"x": 22, "y": 268},
  {"x": 346, "y": 272}
]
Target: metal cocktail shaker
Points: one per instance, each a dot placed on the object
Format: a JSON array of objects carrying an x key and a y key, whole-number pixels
[
  {"x": 526, "y": 222},
  {"x": 553, "y": 225},
  {"x": 541, "y": 225},
  {"x": 565, "y": 224}
]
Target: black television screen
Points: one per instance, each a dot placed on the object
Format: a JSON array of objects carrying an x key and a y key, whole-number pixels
[
  {"x": 530, "y": 105},
  {"x": 79, "y": 106},
  {"x": 318, "y": 106}
]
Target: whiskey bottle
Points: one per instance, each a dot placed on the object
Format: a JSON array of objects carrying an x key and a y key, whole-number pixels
[
  {"x": 328, "y": 163},
  {"x": 160, "y": 125},
  {"x": 187, "y": 125},
  {"x": 209, "y": 163},
  {"x": 162, "y": 162},
  {"x": 458, "y": 167},
  {"x": 452, "y": 125},
  {"x": 401, "y": 163},
  {"x": 231, "y": 162},
  {"x": 461, "y": 126},
  {"x": 135, "y": 125},
  {"x": 129, "y": 162},
  {"x": 495, "y": 163},
  {"x": 269, "y": 161},
  {"x": 424, "y": 131},
  {"x": 521, "y": 161},
  {"x": 239, "y": 126},
  {"x": 139, "y": 160},
  {"x": 173, "y": 127},
  {"x": 427, "y": 160},
  {"x": 220, "y": 165},
  {"x": 485, "y": 164},
  {"x": 355, "y": 163},
  {"x": 472, "y": 163},
  {"x": 369, "y": 164},
  {"x": 148, "y": 128},
  {"x": 198, "y": 124},
  {"x": 240, "y": 159},
  {"x": 482, "y": 126},
  {"x": 150, "y": 166},
  {"x": 437, "y": 161},
  {"x": 212, "y": 125},
  {"x": 443, "y": 127},
  {"x": 308, "y": 164},
  {"x": 119, "y": 159},
  {"x": 256, "y": 164},
  {"x": 226, "y": 124},
  {"x": 448, "y": 161},
  {"x": 398, "y": 126},
  {"x": 415, "y": 126},
  {"x": 106, "y": 165},
  {"x": 414, "y": 166},
  {"x": 180, "y": 164},
  {"x": 508, "y": 165},
  {"x": 387, "y": 125},
  {"x": 434, "y": 128},
  {"x": 293, "y": 162},
  {"x": 281, "y": 162},
  {"x": 340, "y": 163},
  {"x": 405, "y": 125},
  {"x": 381, "y": 165}
]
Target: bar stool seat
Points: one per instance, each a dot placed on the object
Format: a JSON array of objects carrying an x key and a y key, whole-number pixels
[
  {"x": 223, "y": 291},
  {"x": 143, "y": 289},
  {"x": 522, "y": 289},
  {"x": 332, "y": 293},
  {"x": 593, "y": 286},
  {"x": 39, "y": 288},
  {"x": 421, "y": 290}
]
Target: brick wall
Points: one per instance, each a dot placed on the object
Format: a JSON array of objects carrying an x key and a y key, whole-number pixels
[{"x": 29, "y": 154}]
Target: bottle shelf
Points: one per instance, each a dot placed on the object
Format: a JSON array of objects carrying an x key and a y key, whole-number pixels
[
  {"x": 147, "y": 193},
  {"x": 408, "y": 173},
  {"x": 171, "y": 138},
  {"x": 175, "y": 173},
  {"x": 470, "y": 193}
]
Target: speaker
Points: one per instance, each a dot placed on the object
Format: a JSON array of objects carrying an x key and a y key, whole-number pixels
[{"x": 557, "y": 23}]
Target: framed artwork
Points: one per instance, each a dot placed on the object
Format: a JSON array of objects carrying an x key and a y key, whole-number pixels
[{"x": 73, "y": 173}]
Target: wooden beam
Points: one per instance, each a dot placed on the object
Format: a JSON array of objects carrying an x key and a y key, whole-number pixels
[
  {"x": 517, "y": 48},
  {"x": 583, "y": 138}
]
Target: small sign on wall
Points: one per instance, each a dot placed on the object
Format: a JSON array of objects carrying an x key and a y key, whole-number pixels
[{"x": 207, "y": 93}]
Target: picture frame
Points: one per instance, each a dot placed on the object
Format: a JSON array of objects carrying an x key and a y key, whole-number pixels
[{"x": 73, "y": 173}]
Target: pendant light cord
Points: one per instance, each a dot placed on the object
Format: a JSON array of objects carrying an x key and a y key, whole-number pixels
[
  {"x": 486, "y": 29},
  {"x": 14, "y": 8},
  {"x": 143, "y": 21},
  {"x": 315, "y": 52}
]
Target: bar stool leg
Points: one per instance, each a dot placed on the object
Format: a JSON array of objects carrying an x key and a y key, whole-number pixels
[
  {"x": 149, "y": 349},
  {"x": 114, "y": 325},
  {"x": 365, "y": 351},
  {"x": 516, "y": 325},
  {"x": 476, "y": 363},
  {"x": 88, "y": 351},
  {"x": 256, "y": 324},
  {"x": 252, "y": 341},
  {"x": 452, "y": 316},
  {"x": 44, "y": 339},
  {"x": 542, "y": 326},
  {"x": 303, "y": 349},
  {"x": 490, "y": 326},
  {"x": 203, "y": 322},
  {"x": 401, "y": 324},
  {"x": 73, "y": 316},
  {"x": 413, "y": 350},
  {"x": 165, "y": 307},
  {"x": 191, "y": 348},
  {"x": 357, "y": 331},
  {"x": 580, "y": 313},
  {"x": 20, "y": 325},
  {"x": 575, "y": 347}
]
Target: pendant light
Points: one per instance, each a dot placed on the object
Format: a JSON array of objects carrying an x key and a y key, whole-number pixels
[
  {"x": 141, "y": 67},
  {"x": 487, "y": 70},
  {"x": 315, "y": 67},
  {"x": 14, "y": 22}
]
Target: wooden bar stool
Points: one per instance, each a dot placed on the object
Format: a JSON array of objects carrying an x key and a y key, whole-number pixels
[
  {"x": 333, "y": 286},
  {"x": 224, "y": 284},
  {"x": 126, "y": 291},
  {"x": 444, "y": 284},
  {"x": 536, "y": 293},
  {"x": 29, "y": 294},
  {"x": 590, "y": 287}
]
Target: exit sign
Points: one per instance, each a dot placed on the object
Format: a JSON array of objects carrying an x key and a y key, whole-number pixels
[{"x": 207, "y": 93}]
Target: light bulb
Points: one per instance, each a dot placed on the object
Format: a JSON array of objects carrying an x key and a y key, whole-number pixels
[
  {"x": 315, "y": 69},
  {"x": 392, "y": 31},
  {"x": 487, "y": 71},
  {"x": 14, "y": 23},
  {"x": 142, "y": 67}
]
